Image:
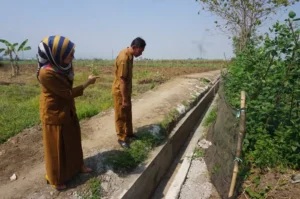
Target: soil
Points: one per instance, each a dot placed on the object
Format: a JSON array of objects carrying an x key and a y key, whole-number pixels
[
  {"x": 23, "y": 154},
  {"x": 28, "y": 72},
  {"x": 271, "y": 184}
]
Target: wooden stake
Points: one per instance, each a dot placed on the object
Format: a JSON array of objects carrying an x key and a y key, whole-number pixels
[{"x": 239, "y": 144}]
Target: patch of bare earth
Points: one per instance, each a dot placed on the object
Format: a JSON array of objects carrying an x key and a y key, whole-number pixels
[{"x": 28, "y": 72}]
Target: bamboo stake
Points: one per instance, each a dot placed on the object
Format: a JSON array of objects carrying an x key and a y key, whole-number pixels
[{"x": 239, "y": 144}]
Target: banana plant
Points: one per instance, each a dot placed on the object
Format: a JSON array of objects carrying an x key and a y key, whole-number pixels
[
  {"x": 21, "y": 48},
  {"x": 10, "y": 48},
  {"x": 1, "y": 50}
]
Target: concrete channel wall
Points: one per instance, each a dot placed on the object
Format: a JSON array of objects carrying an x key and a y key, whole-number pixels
[{"x": 144, "y": 184}]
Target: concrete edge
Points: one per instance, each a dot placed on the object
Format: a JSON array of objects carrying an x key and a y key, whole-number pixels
[
  {"x": 175, "y": 187},
  {"x": 142, "y": 185}
]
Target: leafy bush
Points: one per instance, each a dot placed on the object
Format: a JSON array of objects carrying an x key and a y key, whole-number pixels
[{"x": 269, "y": 72}]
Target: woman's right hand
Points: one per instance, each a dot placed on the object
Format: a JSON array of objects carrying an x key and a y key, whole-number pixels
[{"x": 92, "y": 79}]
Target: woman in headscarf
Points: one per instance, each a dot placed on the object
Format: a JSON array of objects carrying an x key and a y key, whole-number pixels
[{"x": 61, "y": 130}]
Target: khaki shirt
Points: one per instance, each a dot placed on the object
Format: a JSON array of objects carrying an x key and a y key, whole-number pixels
[
  {"x": 123, "y": 68},
  {"x": 57, "y": 105}
]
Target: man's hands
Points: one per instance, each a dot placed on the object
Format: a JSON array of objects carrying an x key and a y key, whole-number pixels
[
  {"x": 125, "y": 103},
  {"x": 124, "y": 93}
]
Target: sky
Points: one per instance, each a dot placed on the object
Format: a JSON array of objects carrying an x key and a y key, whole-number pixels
[{"x": 101, "y": 28}]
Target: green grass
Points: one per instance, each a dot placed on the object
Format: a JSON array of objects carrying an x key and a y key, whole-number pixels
[
  {"x": 19, "y": 104},
  {"x": 142, "y": 63},
  {"x": 95, "y": 186},
  {"x": 171, "y": 116},
  {"x": 210, "y": 118},
  {"x": 18, "y": 109},
  {"x": 198, "y": 153},
  {"x": 126, "y": 160},
  {"x": 154, "y": 63}
]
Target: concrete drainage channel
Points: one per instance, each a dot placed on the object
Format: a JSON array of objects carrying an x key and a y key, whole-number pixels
[{"x": 149, "y": 183}]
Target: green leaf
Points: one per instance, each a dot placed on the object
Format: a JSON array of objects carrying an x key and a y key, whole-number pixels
[
  {"x": 27, "y": 48},
  {"x": 294, "y": 148},
  {"x": 2, "y": 49},
  {"x": 298, "y": 19},
  {"x": 21, "y": 47},
  {"x": 5, "y": 42},
  {"x": 292, "y": 14}
]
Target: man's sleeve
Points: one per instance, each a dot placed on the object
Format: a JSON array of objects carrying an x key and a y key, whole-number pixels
[{"x": 123, "y": 68}]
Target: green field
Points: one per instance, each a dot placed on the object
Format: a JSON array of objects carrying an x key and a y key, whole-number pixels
[
  {"x": 147, "y": 63},
  {"x": 19, "y": 103}
]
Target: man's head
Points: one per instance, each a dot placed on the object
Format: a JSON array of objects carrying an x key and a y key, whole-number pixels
[{"x": 138, "y": 45}]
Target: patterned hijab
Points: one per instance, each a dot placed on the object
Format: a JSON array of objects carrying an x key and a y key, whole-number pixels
[{"x": 52, "y": 51}]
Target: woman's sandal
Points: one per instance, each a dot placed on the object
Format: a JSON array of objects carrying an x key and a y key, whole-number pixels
[
  {"x": 85, "y": 170},
  {"x": 58, "y": 187}
]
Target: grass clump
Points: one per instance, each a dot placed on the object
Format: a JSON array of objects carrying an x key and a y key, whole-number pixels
[
  {"x": 94, "y": 189},
  {"x": 198, "y": 153},
  {"x": 212, "y": 116},
  {"x": 126, "y": 160},
  {"x": 170, "y": 118}
]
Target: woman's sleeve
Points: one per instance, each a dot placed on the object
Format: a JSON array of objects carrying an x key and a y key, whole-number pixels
[{"x": 58, "y": 86}]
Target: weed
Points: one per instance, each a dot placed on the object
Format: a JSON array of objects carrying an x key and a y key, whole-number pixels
[
  {"x": 205, "y": 81},
  {"x": 198, "y": 153},
  {"x": 185, "y": 103},
  {"x": 95, "y": 186},
  {"x": 210, "y": 118},
  {"x": 126, "y": 160},
  {"x": 94, "y": 70},
  {"x": 169, "y": 118},
  {"x": 215, "y": 168},
  {"x": 253, "y": 194},
  {"x": 256, "y": 180}
]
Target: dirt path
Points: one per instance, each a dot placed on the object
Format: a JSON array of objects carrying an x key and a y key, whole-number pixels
[{"x": 23, "y": 154}]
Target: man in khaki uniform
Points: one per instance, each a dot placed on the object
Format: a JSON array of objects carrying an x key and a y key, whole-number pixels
[{"x": 122, "y": 90}]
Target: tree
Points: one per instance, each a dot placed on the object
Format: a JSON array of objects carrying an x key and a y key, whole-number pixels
[
  {"x": 1, "y": 58},
  {"x": 21, "y": 48},
  {"x": 8, "y": 51},
  {"x": 242, "y": 17}
]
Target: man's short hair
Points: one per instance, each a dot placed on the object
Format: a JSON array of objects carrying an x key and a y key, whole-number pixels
[{"x": 138, "y": 43}]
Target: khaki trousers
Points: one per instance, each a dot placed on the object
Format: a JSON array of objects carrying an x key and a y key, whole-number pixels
[{"x": 123, "y": 118}]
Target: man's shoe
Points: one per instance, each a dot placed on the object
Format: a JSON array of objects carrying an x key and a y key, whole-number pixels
[{"x": 124, "y": 144}]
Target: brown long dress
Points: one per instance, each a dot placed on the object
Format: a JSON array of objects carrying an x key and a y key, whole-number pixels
[{"x": 61, "y": 130}]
